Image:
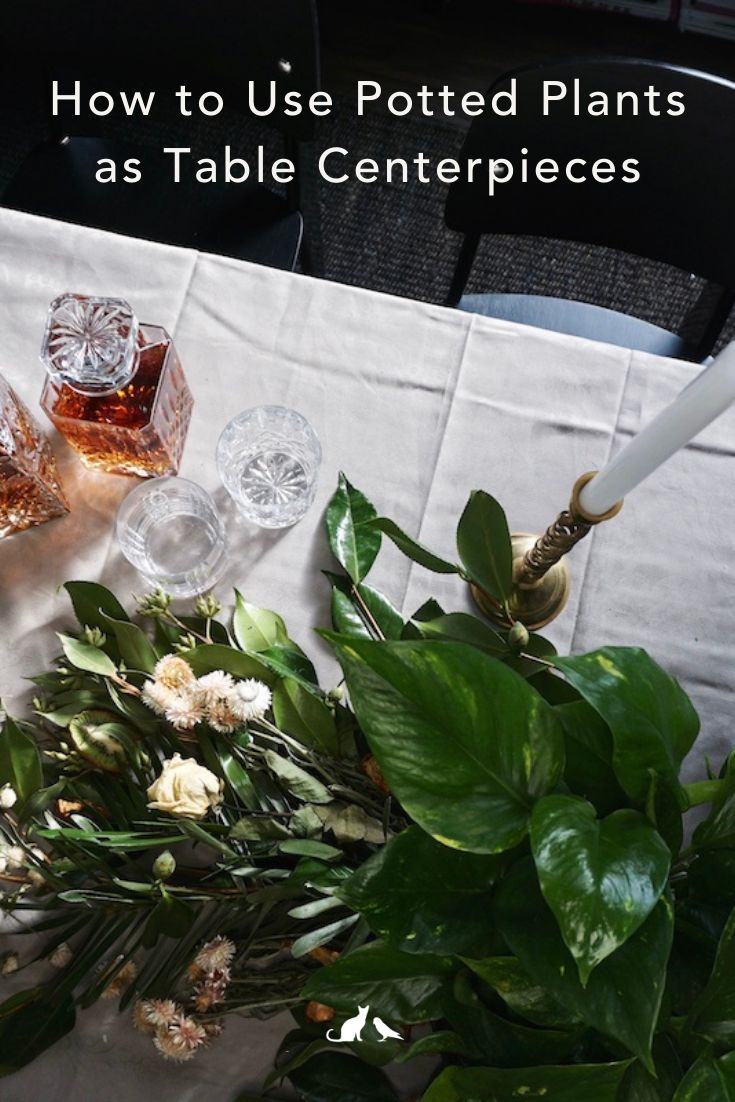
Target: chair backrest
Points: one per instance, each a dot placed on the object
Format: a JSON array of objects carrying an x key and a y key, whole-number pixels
[
  {"x": 681, "y": 211},
  {"x": 146, "y": 45}
]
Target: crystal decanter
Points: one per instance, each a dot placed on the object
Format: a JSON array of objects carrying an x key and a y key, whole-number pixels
[
  {"x": 30, "y": 491},
  {"x": 115, "y": 389}
]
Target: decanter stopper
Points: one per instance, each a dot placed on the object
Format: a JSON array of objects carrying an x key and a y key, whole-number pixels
[{"x": 91, "y": 344}]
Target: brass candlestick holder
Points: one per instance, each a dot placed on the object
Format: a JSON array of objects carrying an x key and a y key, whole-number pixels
[{"x": 541, "y": 578}]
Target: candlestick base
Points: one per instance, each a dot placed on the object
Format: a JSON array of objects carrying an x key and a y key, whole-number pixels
[{"x": 533, "y": 605}]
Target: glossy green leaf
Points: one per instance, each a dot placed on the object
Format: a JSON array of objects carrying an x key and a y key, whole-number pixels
[
  {"x": 463, "y": 742},
  {"x": 580, "y": 1083},
  {"x": 589, "y": 766},
  {"x": 86, "y": 657},
  {"x": 237, "y": 777},
  {"x": 296, "y": 780},
  {"x": 305, "y": 717},
  {"x": 338, "y": 1077},
  {"x": 422, "y": 897},
  {"x": 91, "y": 602},
  {"x": 350, "y": 618},
  {"x": 601, "y": 878},
  {"x": 354, "y": 543},
  {"x": 492, "y": 1039},
  {"x": 464, "y": 628},
  {"x": 623, "y": 995},
  {"x": 291, "y": 662},
  {"x": 215, "y": 656},
  {"x": 30, "y": 1022},
  {"x": 307, "y": 943},
  {"x": 651, "y": 718},
  {"x": 713, "y": 1015},
  {"x": 483, "y": 543},
  {"x": 20, "y": 760},
  {"x": 307, "y": 847},
  {"x": 401, "y": 987},
  {"x": 254, "y": 628},
  {"x": 709, "y": 1080},
  {"x": 171, "y": 917},
  {"x": 412, "y": 549},
  {"x": 524, "y": 997},
  {"x": 134, "y": 646}
]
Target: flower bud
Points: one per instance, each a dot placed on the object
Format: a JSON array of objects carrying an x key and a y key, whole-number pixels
[
  {"x": 518, "y": 637},
  {"x": 154, "y": 604},
  {"x": 94, "y": 636},
  {"x": 7, "y": 797},
  {"x": 208, "y": 606},
  {"x": 164, "y": 865},
  {"x": 336, "y": 694}
]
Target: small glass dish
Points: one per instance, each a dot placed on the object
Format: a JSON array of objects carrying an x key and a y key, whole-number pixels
[
  {"x": 268, "y": 459},
  {"x": 170, "y": 531}
]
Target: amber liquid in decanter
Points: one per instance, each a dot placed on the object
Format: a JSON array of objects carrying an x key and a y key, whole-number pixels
[
  {"x": 30, "y": 491},
  {"x": 137, "y": 428}
]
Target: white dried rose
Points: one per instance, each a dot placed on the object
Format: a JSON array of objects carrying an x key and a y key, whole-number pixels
[
  {"x": 185, "y": 788},
  {"x": 7, "y": 797}
]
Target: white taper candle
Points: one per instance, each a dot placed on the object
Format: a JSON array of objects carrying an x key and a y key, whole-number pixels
[{"x": 701, "y": 402}]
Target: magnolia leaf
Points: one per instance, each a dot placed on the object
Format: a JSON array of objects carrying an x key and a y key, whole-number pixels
[
  {"x": 135, "y": 648},
  {"x": 20, "y": 760},
  {"x": 252, "y": 829},
  {"x": 464, "y": 628},
  {"x": 601, "y": 878},
  {"x": 401, "y": 987},
  {"x": 296, "y": 780},
  {"x": 483, "y": 543},
  {"x": 623, "y": 996},
  {"x": 304, "y": 716},
  {"x": 215, "y": 656},
  {"x": 256, "y": 629},
  {"x": 414, "y": 550},
  {"x": 463, "y": 742},
  {"x": 350, "y": 823},
  {"x": 92, "y": 602},
  {"x": 354, "y": 543},
  {"x": 422, "y": 897},
  {"x": 349, "y": 616},
  {"x": 574, "y": 1083},
  {"x": 86, "y": 657},
  {"x": 651, "y": 718}
]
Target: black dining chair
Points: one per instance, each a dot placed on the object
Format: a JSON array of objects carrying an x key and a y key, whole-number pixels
[
  {"x": 219, "y": 47},
  {"x": 681, "y": 211}
]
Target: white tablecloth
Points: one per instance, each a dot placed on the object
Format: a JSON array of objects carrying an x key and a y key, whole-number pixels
[{"x": 418, "y": 405}]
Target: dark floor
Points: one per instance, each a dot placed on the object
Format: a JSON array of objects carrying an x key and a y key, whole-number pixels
[
  {"x": 391, "y": 237},
  {"x": 468, "y": 43}
]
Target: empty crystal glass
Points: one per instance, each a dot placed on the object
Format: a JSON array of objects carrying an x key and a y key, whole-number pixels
[
  {"x": 268, "y": 459},
  {"x": 171, "y": 532}
]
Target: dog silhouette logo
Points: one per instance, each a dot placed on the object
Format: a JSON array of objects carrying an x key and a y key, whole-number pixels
[{"x": 352, "y": 1029}]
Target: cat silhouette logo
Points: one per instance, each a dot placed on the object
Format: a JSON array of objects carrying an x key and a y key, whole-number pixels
[{"x": 352, "y": 1029}]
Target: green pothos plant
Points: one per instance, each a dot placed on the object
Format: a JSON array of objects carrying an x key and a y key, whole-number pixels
[{"x": 545, "y": 925}]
